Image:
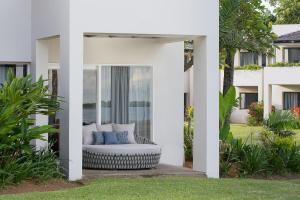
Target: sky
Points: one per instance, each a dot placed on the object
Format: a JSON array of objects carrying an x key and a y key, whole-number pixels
[{"x": 268, "y": 6}]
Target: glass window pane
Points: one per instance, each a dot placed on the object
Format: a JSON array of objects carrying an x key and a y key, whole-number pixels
[
  {"x": 106, "y": 95},
  {"x": 294, "y": 55},
  {"x": 89, "y": 96},
  {"x": 248, "y": 58},
  {"x": 140, "y": 100},
  {"x": 246, "y": 99}
]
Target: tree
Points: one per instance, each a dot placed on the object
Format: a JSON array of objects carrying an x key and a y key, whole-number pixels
[
  {"x": 287, "y": 11},
  {"x": 244, "y": 24}
]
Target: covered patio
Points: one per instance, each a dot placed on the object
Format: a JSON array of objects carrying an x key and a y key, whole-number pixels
[{"x": 87, "y": 44}]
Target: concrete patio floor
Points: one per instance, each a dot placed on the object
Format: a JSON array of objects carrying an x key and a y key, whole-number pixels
[{"x": 161, "y": 170}]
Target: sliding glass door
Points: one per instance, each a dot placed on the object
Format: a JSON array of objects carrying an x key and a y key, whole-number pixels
[
  {"x": 122, "y": 94},
  {"x": 126, "y": 97}
]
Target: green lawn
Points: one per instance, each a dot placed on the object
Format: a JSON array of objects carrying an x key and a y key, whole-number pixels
[
  {"x": 174, "y": 188},
  {"x": 244, "y": 132}
]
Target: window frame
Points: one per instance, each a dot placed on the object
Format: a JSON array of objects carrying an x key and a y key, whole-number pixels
[
  {"x": 240, "y": 99},
  {"x": 283, "y": 99}
]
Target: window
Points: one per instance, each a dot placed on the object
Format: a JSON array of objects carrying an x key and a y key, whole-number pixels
[
  {"x": 248, "y": 58},
  {"x": 291, "y": 100},
  {"x": 89, "y": 96},
  {"x": 246, "y": 99},
  {"x": 294, "y": 55},
  {"x": 126, "y": 94},
  {"x": 19, "y": 71},
  {"x": 264, "y": 60}
]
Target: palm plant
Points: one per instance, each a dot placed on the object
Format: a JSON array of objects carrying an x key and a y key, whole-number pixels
[
  {"x": 244, "y": 24},
  {"x": 281, "y": 123}
]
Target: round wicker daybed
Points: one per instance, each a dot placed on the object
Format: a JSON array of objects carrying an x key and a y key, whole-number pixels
[{"x": 143, "y": 155}]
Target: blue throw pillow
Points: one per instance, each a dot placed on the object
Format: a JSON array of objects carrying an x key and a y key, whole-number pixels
[
  {"x": 122, "y": 137},
  {"x": 110, "y": 138},
  {"x": 98, "y": 138}
]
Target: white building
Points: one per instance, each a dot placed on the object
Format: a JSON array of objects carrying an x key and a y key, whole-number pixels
[
  {"x": 275, "y": 86},
  {"x": 81, "y": 37}
]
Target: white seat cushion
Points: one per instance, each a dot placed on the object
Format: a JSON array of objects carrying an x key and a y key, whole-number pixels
[
  {"x": 87, "y": 134},
  {"x": 105, "y": 128},
  {"x": 129, "y": 149}
]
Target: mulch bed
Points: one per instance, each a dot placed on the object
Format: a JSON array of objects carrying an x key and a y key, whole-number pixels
[{"x": 32, "y": 186}]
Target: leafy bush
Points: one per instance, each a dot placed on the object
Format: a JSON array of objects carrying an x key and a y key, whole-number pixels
[
  {"x": 38, "y": 165},
  {"x": 278, "y": 156},
  {"x": 226, "y": 104},
  {"x": 252, "y": 67},
  {"x": 276, "y": 153},
  {"x": 20, "y": 100},
  {"x": 282, "y": 153},
  {"x": 188, "y": 134},
  {"x": 256, "y": 114},
  {"x": 283, "y": 64}
]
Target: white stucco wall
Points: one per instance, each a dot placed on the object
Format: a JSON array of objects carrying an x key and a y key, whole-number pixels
[
  {"x": 173, "y": 20},
  {"x": 167, "y": 95},
  {"x": 15, "y": 30},
  {"x": 145, "y": 17}
]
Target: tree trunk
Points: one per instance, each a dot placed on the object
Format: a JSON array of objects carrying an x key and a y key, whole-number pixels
[
  {"x": 228, "y": 77},
  {"x": 228, "y": 70}
]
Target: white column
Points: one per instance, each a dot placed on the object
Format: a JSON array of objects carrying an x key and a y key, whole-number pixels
[
  {"x": 39, "y": 68},
  {"x": 267, "y": 100},
  {"x": 71, "y": 69},
  {"x": 206, "y": 105}
]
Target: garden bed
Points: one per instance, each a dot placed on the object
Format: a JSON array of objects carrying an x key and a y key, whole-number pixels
[{"x": 32, "y": 186}]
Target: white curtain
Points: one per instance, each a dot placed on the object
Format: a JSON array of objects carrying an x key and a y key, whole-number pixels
[
  {"x": 290, "y": 100},
  {"x": 140, "y": 104},
  {"x": 248, "y": 58}
]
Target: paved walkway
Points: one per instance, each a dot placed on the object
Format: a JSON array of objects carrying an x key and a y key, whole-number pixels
[{"x": 161, "y": 170}]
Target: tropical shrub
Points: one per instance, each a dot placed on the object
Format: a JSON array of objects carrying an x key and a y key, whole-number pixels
[
  {"x": 275, "y": 153},
  {"x": 226, "y": 104},
  {"x": 256, "y": 114},
  {"x": 281, "y": 123},
  {"x": 284, "y": 64},
  {"x": 252, "y": 67},
  {"x": 20, "y": 100},
  {"x": 37, "y": 165},
  {"x": 188, "y": 134},
  {"x": 282, "y": 153}
]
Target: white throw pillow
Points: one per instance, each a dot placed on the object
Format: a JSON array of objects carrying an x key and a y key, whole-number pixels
[
  {"x": 126, "y": 127},
  {"x": 105, "y": 128},
  {"x": 87, "y": 134}
]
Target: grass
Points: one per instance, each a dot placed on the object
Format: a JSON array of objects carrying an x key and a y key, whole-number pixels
[
  {"x": 244, "y": 131},
  {"x": 173, "y": 188}
]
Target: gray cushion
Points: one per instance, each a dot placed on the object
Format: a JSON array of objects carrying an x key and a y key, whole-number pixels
[
  {"x": 128, "y": 149},
  {"x": 98, "y": 138},
  {"x": 87, "y": 134},
  {"x": 122, "y": 137},
  {"x": 126, "y": 127},
  {"x": 110, "y": 138}
]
